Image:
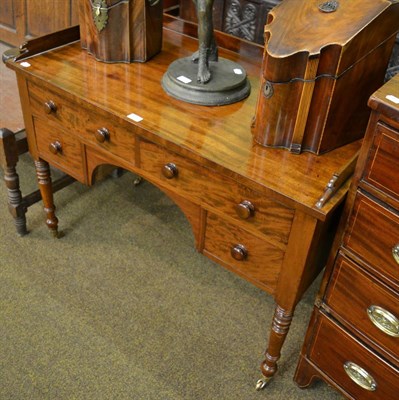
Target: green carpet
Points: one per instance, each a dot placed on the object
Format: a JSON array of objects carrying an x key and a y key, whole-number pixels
[{"x": 122, "y": 307}]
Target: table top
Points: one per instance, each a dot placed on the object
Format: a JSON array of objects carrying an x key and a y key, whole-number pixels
[{"x": 217, "y": 137}]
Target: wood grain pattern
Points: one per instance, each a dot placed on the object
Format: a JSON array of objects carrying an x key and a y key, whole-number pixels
[
  {"x": 371, "y": 244},
  {"x": 362, "y": 271},
  {"x": 351, "y": 305},
  {"x": 334, "y": 347},
  {"x": 324, "y": 58},
  {"x": 218, "y": 137},
  {"x": 212, "y": 149},
  {"x": 133, "y": 31}
]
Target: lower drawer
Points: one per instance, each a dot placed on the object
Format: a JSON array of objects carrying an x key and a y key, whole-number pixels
[
  {"x": 372, "y": 309},
  {"x": 350, "y": 364},
  {"x": 242, "y": 252},
  {"x": 60, "y": 149}
]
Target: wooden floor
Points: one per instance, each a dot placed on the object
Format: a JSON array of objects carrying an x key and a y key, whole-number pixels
[{"x": 10, "y": 109}]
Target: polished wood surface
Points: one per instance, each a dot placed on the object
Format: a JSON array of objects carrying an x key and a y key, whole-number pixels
[
  {"x": 359, "y": 296},
  {"x": 202, "y": 157},
  {"x": 312, "y": 67}
]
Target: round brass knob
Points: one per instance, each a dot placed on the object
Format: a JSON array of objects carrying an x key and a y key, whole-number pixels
[
  {"x": 55, "y": 147},
  {"x": 169, "y": 171},
  {"x": 102, "y": 135},
  {"x": 50, "y": 107},
  {"x": 245, "y": 209},
  {"x": 239, "y": 252}
]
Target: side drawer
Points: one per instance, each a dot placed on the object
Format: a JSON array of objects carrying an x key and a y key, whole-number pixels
[
  {"x": 219, "y": 194},
  {"x": 369, "y": 307},
  {"x": 55, "y": 108},
  {"x": 60, "y": 149},
  {"x": 350, "y": 364},
  {"x": 382, "y": 167},
  {"x": 373, "y": 235},
  {"x": 247, "y": 255}
]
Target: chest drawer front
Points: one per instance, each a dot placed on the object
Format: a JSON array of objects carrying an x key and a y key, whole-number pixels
[
  {"x": 242, "y": 252},
  {"x": 220, "y": 194},
  {"x": 60, "y": 149},
  {"x": 373, "y": 234},
  {"x": 354, "y": 296},
  {"x": 382, "y": 168},
  {"x": 352, "y": 365}
]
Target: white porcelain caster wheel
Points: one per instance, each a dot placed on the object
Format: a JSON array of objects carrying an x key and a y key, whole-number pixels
[{"x": 262, "y": 383}]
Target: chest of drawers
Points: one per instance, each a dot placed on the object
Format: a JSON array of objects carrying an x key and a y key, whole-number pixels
[
  {"x": 252, "y": 210},
  {"x": 353, "y": 338}
]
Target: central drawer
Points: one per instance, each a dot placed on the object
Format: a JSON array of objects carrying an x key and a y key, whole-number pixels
[
  {"x": 373, "y": 235},
  {"x": 217, "y": 193},
  {"x": 369, "y": 307}
]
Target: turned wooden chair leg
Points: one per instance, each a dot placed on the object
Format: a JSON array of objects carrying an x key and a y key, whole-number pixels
[
  {"x": 45, "y": 186},
  {"x": 8, "y": 161}
]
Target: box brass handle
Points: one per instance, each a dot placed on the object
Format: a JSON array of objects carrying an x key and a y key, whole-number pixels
[
  {"x": 55, "y": 147},
  {"x": 170, "y": 171},
  {"x": 153, "y": 2},
  {"x": 245, "y": 209},
  {"x": 50, "y": 107},
  {"x": 102, "y": 135},
  {"x": 360, "y": 376},
  {"x": 395, "y": 252},
  {"x": 239, "y": 252},
  {"x": 384, "y": 320}
]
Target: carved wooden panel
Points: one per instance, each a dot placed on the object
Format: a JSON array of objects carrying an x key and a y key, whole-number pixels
[{"x": 242, "y": 18}]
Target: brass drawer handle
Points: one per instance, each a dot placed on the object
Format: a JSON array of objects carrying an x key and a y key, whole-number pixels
[
  {"x": 170, "y": 171},
  {"x": 384, "y": 320},
  {"x": 50, "y": 107},
  {"x": 245, "y": 209},
  {"x": 101, "y": 135},
  {"x": 55, "y": 147},
  {"x": 239, "y": 252},
  {"x": 395, "y": 252},
  {"x": 360, "y": 376}
]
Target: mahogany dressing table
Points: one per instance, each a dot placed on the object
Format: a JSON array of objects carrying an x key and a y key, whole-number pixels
[{"x": 252, "y": 209}]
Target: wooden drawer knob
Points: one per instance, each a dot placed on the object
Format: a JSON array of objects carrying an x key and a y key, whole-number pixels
[
  {"x": 245, "y": 209},
  {"x": 102, "y": 135},
  {"x": 50, "y": 107},
  {"x": 169, "y": 171},
  {"x": 239, "y": 252},
  {"x": 395, "y": 253},
  {"x": 55, "y": 147}
]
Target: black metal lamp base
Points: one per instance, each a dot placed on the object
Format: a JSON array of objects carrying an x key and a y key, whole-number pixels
[{"x": 229, "y": 83}]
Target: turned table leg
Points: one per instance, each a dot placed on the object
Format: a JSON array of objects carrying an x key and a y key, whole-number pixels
[
  {"x": 280, "y": 326},
  {"x": 45, "y": 186},
  {"x": 8, "y": 161}
]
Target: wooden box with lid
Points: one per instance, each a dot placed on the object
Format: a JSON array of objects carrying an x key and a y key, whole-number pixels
[
  {"x": 322, "y": 62},
  {"x": 121, "y": 30},
  {"x": 353, "y": 338}
]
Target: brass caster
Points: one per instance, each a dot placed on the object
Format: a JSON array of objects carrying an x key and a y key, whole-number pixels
[
  {"x": 137, "y": 181},
  {"x": 262, "y": 383}
]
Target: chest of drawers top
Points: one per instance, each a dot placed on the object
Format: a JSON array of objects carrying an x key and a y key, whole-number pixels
[{"x": 216, "y": 137}]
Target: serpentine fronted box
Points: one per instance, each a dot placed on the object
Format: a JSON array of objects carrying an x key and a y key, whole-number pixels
[
  {"x": 121, "y": 30},
  {"x": 322, "y": 61}
]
